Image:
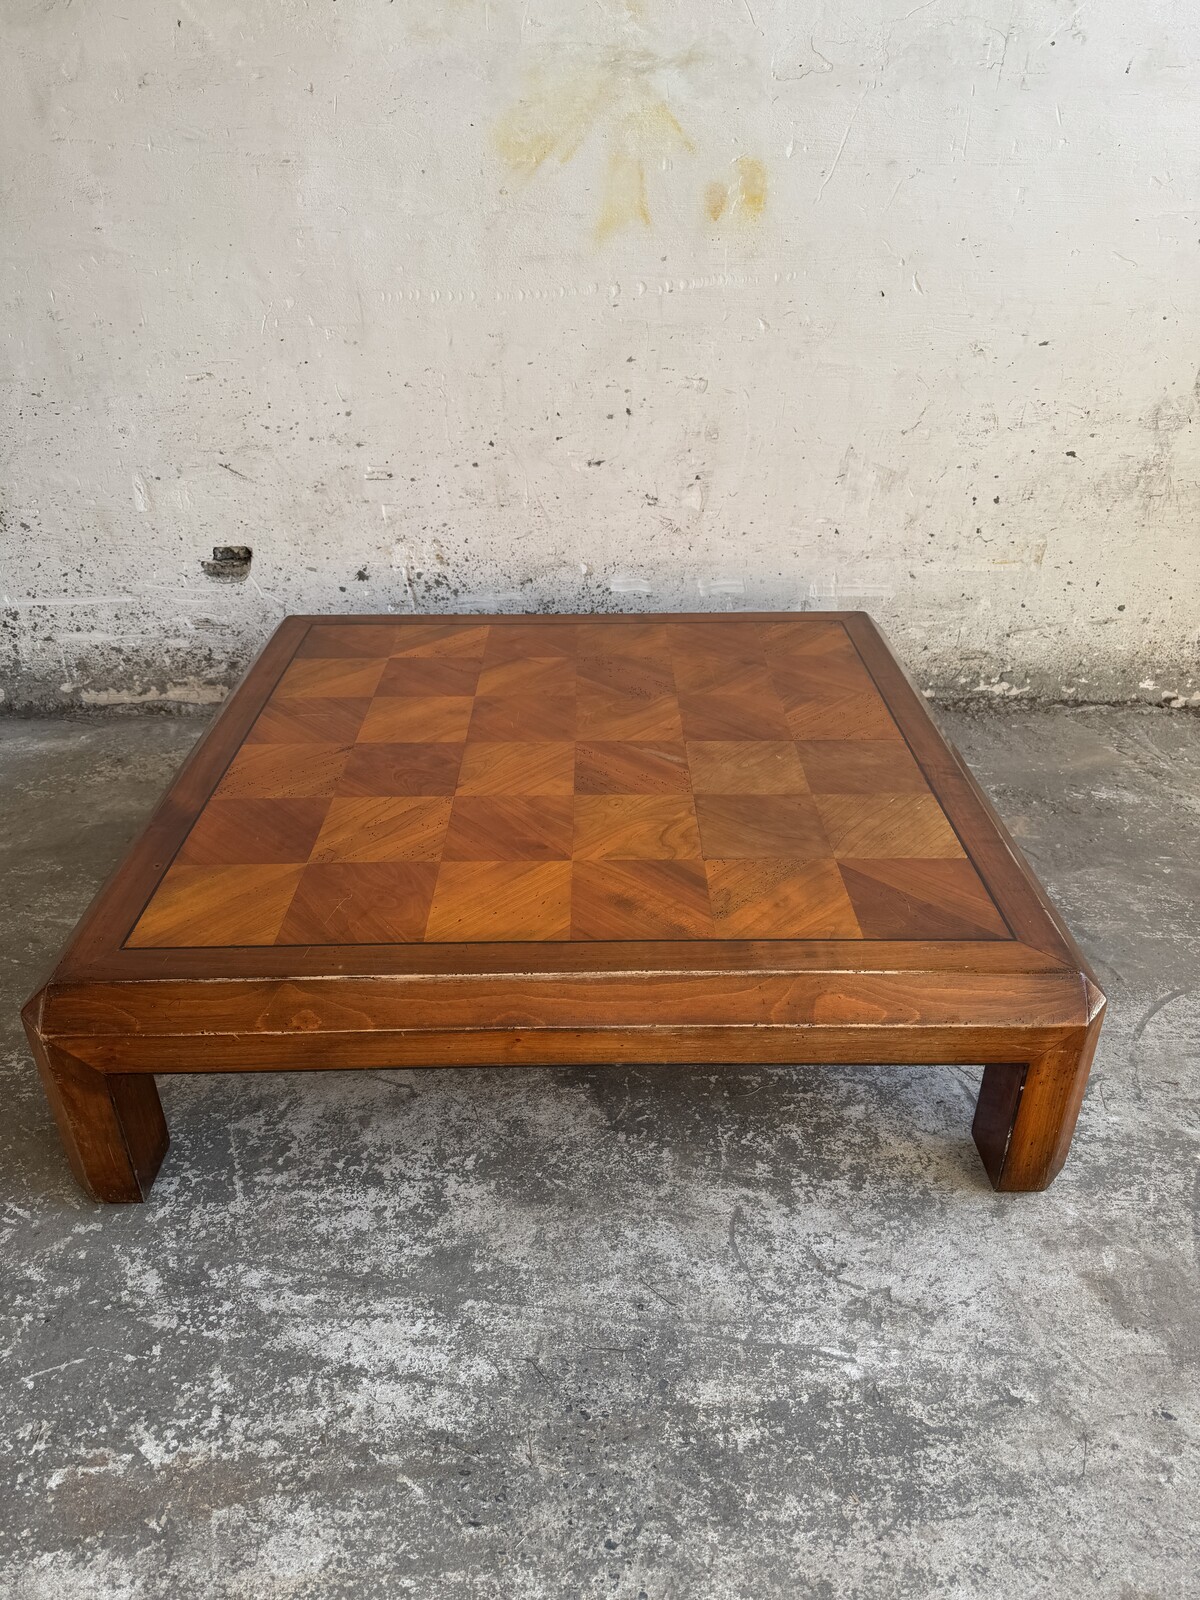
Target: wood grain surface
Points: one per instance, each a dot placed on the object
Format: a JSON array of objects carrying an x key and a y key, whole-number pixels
[{"x": 557, "y": 755}]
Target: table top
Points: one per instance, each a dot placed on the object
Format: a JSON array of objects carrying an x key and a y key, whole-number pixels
[{"x": 419, "y": 794}]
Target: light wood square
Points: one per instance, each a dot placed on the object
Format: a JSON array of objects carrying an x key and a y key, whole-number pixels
[
  {"x": 417, "y": 719},
  {"x": 755, "y": 766},
  {"x": 533, "y": 767},
  {"x": 883, "y": 825},
  {"x": 383, "y": 828},
  {"x": 501, "y": 900},
  {"x": 207, "y": 906},
  {"x": 635, "y": 827}
]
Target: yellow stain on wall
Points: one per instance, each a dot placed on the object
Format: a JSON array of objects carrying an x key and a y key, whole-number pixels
[
  {"x": 616, "y": 98},
  {"x": 752, "y": 187},
  {"x": 648, "y": 132},
  {"x": 553, "y": 117},
  {"x": 744, "y": 198},
  {"x": 624, "y": 200}
]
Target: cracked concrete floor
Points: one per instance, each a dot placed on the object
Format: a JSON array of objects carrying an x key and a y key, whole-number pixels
[{"x": 652, "y": 1334}]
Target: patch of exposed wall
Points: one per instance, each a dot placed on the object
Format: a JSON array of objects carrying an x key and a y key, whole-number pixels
[{"x": 643, "y": 305}]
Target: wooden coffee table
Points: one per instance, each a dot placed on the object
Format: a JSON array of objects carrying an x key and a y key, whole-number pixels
[{"x": 561, "y": 840}]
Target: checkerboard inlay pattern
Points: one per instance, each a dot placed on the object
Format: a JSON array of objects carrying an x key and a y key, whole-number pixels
[{"x": 570, "y": 780}]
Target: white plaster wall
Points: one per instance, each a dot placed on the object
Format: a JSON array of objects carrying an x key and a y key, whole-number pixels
[{"x": 666, "y": 304}]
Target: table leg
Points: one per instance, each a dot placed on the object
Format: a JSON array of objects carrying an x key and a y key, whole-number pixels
[
  {"x": 1026, "y": 1113},
  {"x": 111, "y": 1124}
]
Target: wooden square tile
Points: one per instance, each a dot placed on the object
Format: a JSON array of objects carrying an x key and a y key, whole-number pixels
[
  {"x": 640, "y": 900},
  {"x": 441, "y": 639},
  {"x": 528, "y": 676},
  {"x": 199, "y": 907},
  {"x": 383, "y": 828},
  {"x": 318, "y": 721},
  {"x": 850, "y": 716},
  {"x": 826, "y": 677},
  {"x": 608, "y": 714},
  {"x": 429, "y": 675},
  {"x": 521, "y": 717},
  {"x": 231, "y": 831},
  {"x": 780, "y": 899},
  {"x": 629, "y": 827},
  {"x": 629, "y": 676},
  {"x": 758, "y": 826},
  {"x": 785, "y": 638},
  {"x": 419, "y": 769},
  {"x": 509, "y": 828},
  {"x": 726, "y": 717},
  {"x": 330, "y": 680},
  {"x": 501, "y": 900},
  {"x": 860, "y": 766},
  {"x": 755, "y": 766},
  {"x": 416, "y": 719},
  {"x": 716, "y": 640},
  {"x": 358, "y": 902},
  {"x": 333, "y": 641},
  {"x": 622, "y": 767},
  {"x": 517, "y": 641},
  {"x": 705, "y": 675},
  {"x": 649, "y": 640},
  {"x": 282, "y": 771},
  {"x": 943, "y": 899},
  {"x": 886, "y": 825},
  {"x": 537, "y": 767}
]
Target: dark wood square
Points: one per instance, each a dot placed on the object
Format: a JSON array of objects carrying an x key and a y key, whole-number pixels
[
  {"x": 612, "y": 715},
  {"x": 283, "y": 771},
  {"x": 430, "y": 675},
  {"x": 523, "y": 677},
  {"x": 640, "y": 900},
  {"x": 944, "y": 899},
  {"x": 319, "y": 721},
  {"x": 509, "y": 827},
  {"x": 401, "y": 769},
  {"x": 760, "y": 826},
  {"x": 253, "y": 831},
  {"x": 726, "y": 717},
  {"x": 359, "y": 902},
  {"x": 522, "y": 716},
  {"x": 627, "y": 767}
]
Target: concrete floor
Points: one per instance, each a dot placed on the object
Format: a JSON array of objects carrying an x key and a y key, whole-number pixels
[{"x": 707, "y": 1335}]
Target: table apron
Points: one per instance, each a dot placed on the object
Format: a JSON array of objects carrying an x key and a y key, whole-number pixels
[
  {"x": 965, "y": 1044},
  {"x": 570, "y": 1001}
]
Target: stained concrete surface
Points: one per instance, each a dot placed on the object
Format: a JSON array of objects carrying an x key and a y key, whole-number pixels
[{"x": 651, "y": 1334}]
